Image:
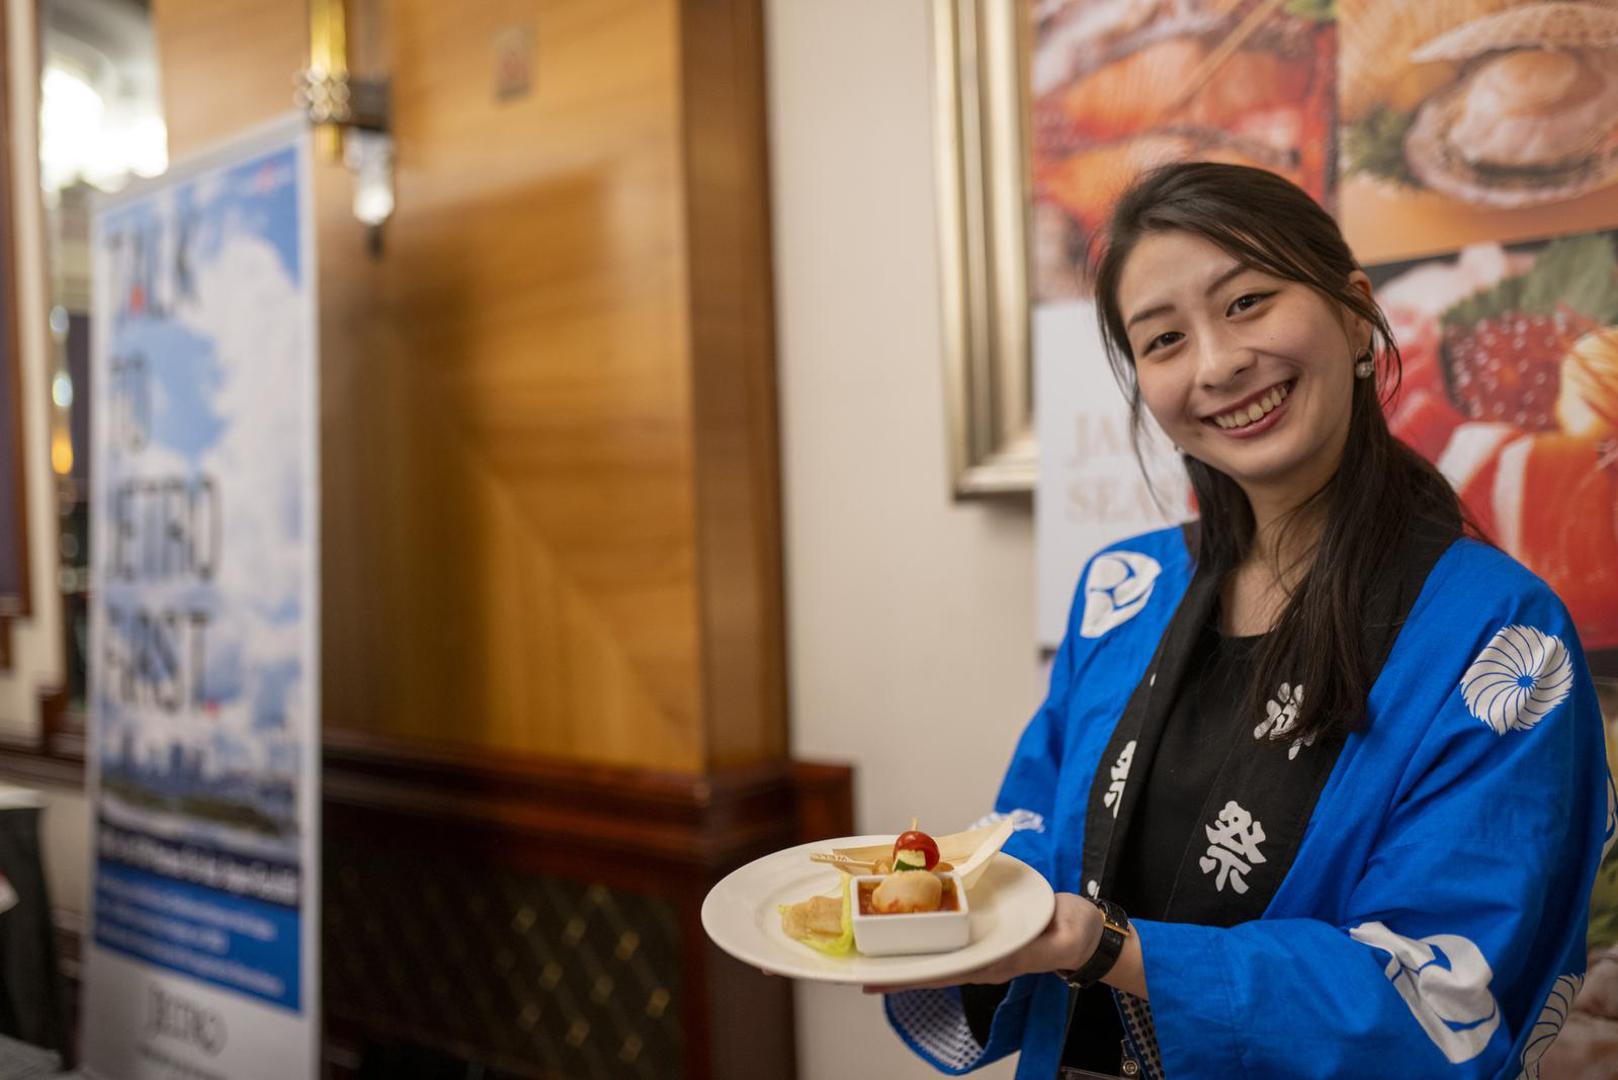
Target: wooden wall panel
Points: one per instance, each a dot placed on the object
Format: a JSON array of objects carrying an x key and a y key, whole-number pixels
[
  {"x": 550, "y": 509},
  {"x": 509, "y": 527},
  {"x": 225, "y": 65},
  {"x": 726, "y": 157}
]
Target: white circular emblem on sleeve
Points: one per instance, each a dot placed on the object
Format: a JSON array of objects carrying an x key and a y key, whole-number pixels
[
  {"x": 1518, "y": 678},
  {"x": 1115, "y": 590}
]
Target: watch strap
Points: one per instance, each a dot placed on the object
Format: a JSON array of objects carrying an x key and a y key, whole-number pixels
[{"x": 1115, "y": 930}]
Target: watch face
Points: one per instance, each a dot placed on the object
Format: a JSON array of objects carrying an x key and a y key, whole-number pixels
[{"x": 1113, "y": 917}]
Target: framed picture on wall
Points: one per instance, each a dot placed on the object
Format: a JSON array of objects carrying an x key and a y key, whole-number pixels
[{"x": 980, "y": 64}]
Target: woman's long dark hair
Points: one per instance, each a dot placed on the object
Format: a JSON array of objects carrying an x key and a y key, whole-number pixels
[{"x": 1381, "y": 488}]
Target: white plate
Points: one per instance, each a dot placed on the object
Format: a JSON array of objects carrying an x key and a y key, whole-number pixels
[{"x": 1010, "y": 905}]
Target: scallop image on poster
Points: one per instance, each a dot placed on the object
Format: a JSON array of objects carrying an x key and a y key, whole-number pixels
[
  {"x": 1532, "y": 115},
  {"x": 1518, "y": 679}
]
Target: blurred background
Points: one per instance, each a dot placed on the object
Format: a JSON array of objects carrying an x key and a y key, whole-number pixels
[{"x": 650, "y": 343}]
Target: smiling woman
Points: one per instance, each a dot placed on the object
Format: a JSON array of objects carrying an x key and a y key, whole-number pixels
[{"x": 1328, "y": 764}]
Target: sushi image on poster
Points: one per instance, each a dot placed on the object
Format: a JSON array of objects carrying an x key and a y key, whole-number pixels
[
  {"x": 1510, "y": 386},
  {"x": 204, "y": 623},
  {"x": 1119, "y": 87},
  {"x": 1466, "y": 121}
]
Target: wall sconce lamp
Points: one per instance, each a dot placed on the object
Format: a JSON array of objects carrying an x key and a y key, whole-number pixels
[{"x": 351, "y": 115}]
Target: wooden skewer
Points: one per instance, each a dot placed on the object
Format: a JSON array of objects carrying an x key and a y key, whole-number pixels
[
  {"x": 1227, "y": 48},
  {"x": 834, "y": 859}
]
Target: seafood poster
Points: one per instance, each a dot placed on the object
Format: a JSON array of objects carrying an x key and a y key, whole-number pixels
[{"x": 201, "y": 958}]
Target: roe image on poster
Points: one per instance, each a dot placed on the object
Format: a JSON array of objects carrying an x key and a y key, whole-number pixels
[{"x": 204, "y": 623}]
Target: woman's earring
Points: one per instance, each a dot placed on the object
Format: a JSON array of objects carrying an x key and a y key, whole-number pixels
[{"x": 1366, "y": 367}]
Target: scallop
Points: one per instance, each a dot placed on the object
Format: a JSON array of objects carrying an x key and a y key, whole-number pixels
[
  {"x": 908, "y": 891},
  {"x": 1376, "y": 37},
  {"x": 1518, "y": 679}
]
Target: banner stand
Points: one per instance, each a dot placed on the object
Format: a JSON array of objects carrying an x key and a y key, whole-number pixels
[{"x": 201, "y": 957}]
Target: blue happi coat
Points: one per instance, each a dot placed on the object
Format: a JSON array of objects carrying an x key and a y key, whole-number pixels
[{"x": 1433, "y": 921}]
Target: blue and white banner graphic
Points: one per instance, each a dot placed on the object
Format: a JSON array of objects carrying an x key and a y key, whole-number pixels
[{"x": 204, "y": 647}]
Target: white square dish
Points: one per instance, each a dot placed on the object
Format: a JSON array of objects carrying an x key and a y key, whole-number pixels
[{"x": 921, "y": 932}]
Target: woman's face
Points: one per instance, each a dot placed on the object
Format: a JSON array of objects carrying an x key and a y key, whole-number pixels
[{"x": 1248, "y": 373}]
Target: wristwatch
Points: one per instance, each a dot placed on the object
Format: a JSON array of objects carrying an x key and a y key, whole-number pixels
[{"x": 1114, "y": 931}]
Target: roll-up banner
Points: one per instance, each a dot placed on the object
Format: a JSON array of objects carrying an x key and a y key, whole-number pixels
[{"x": 201, "y": 959}]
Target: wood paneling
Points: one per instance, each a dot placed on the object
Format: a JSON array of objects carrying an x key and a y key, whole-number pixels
[
  {"x": 225, "y": 65},
  {"x": 509, "y": 520},
  {"x": 732, "y": 363},
  {"x": 550, "y": 520}
]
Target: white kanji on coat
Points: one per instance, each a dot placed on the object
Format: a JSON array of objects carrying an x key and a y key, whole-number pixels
[
  {"x": 1233, "y": 842},
  {"x": 1120, "y": 776},
  {"x": 1281, "y": 716}
]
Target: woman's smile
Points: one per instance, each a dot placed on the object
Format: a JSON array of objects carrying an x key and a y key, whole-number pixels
[{"x": 1255, "y": 414}]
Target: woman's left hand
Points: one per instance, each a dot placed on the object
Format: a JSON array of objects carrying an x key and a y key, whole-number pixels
[{"x": 1066, "y": 942}]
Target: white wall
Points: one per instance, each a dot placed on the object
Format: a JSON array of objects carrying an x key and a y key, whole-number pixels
[{"x": 911, "y": 617}]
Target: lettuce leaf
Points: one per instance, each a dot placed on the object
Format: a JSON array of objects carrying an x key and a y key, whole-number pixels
[
  {"x": 1375, "y": 145},
  {"x": 843, "y": 944},
  {"x": 1317, "y": 10},
  {"x": 1578, "y": 272}
]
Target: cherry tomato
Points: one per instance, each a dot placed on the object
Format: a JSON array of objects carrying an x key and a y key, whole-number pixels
[{"x": 915, "y": 840}]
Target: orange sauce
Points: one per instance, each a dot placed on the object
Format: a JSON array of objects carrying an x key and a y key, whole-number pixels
[{"x": 949, "y": 901}]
